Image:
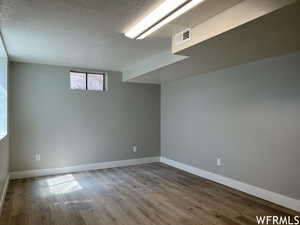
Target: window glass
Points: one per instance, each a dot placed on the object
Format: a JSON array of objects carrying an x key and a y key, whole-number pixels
[
  {"x": 78, "y": 80},
  {"x": 95, "y": 82}
]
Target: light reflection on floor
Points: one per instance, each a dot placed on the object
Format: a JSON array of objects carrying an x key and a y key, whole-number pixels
[{"x": 63, "y": 184}]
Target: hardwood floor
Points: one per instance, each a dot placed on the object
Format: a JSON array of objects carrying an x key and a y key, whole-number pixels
[{"x": 152, "y": 194}]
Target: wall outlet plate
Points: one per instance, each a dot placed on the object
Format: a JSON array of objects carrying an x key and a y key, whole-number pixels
[
  {"x": 219, "y": 162},
  {"x": 134, "y": 148},
  {"x": 37, "y": 157}
]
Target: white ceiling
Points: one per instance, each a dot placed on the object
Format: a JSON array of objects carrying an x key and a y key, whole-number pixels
[
  {"x": 81, "y": 33},
  {"x": 89, "y": 33}
]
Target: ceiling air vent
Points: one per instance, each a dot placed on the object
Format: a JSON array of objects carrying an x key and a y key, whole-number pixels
[{"x": 183, "y": 36}]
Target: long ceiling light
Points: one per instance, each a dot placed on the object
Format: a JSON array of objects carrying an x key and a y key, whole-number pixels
[
  {"x": 165, "y": 13},
  {"x": 155, "y": 16},
  {"x": 171, "y": 17}
]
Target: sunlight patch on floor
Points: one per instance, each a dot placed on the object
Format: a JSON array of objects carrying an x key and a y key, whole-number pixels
[{"x": 63, "y": 184}]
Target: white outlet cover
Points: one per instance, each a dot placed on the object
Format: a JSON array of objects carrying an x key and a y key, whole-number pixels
[
  {"x": 37, "y": 157},
  {"x": 218, "y": 161},
  {"x": 134, "y": 149}
]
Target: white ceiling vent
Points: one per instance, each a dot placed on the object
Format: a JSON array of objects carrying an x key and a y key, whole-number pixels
[{"x": 183, "y": 36}]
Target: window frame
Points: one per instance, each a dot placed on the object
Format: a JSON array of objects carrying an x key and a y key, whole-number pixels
[{"x": 103, "y": 74}]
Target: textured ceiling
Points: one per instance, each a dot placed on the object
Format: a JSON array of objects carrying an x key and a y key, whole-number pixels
[
  {"x": 81, "y": 33},
  {"x": 89, "y": 33}
]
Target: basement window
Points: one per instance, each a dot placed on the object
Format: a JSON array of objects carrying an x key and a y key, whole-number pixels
[{"x": 87, "y": 81}]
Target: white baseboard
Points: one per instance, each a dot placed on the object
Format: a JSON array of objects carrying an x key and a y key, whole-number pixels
[
  {"x": 247, "y": 188},
  {"x": 86, "y": 167},
  {"x": 3, "y": 194}
]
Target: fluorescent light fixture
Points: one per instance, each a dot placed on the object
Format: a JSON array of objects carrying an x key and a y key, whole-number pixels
[
  {"x": 155, "y": 16},
  {"x": 165, "y": 13},
  {"x": 171, "y": 17}
]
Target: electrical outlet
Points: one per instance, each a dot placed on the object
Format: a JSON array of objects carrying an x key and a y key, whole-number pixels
[
  {"x": 219, "y": 162},
  {"x": 134, "y": 148},
  {"x": 37, "y": 156}
]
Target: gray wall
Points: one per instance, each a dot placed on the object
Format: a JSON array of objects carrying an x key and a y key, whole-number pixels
[
  {"x": 248, "y": 115},
  {"x": 71, "y": 127}
]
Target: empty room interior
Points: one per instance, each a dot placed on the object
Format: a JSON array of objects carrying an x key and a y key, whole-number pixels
[{"x": 149, "y": 112}]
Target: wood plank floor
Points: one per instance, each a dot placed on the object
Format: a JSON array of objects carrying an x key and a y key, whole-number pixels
[{"x": 152, "y": 194}]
